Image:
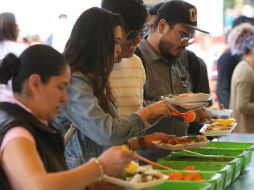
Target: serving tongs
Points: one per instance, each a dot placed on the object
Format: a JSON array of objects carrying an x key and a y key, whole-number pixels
[{"x": 151, "y": 162}]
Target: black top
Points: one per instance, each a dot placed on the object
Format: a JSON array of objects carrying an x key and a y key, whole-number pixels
[
  {"x": 226, "y": 65},
  {"x": 198, "y": 73},
  {"x": 48, "y": 139}
]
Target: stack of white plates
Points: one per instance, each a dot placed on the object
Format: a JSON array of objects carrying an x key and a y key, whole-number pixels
[{"x": 189, "y": 100}]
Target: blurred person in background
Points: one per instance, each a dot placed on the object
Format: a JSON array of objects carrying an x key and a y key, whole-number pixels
[
  {"x": 229, "y": 59},
  {"x": 31, "y": 149},
  {"x": 60, "y": 34},
  {"x": 9, "y": 32},
  {"x": 127, "y": 78},
  {"x": 152, "y": 16},
  {"x": 242, "y": 85}
]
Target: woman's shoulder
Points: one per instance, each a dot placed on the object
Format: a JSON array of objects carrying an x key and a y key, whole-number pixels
[
  {"x": 243, "y": 71},
  {"x": 79, "y": 78},
  {"x": 80, "y": 87}
]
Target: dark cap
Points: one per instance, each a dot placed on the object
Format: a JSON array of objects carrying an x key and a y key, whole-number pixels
[{"x": 178, "y": 11}]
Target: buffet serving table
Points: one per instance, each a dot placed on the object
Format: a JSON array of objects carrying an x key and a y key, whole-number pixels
[{"x": 246, "y": 180}]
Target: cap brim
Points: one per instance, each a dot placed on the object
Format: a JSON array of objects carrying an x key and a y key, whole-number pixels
[{"x": 196, "y": 28}]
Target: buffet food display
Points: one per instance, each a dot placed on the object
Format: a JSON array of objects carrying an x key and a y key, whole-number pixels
[
  {"x": 219, "y": 127},
  {"x": 180, "y": 143}
]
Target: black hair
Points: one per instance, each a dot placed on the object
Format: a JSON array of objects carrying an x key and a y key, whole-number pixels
[
  {"x": 90, "y": 50},
  {"x": 242, "y": 19},
  {"x": 154, "y": 9},
  {"x": 41, "y": 59},
  {"x": 8, "y": 27},
  {"x": 133, "y": 12}
]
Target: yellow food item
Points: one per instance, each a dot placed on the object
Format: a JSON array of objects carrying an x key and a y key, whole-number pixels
[
  {"x": 225, "y": 121},
  {"x": 132, "y": 167},
  {"x": 124, "y": 148},
  {"x": 156, "y": 141}
]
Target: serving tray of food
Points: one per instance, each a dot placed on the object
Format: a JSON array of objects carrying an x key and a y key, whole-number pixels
[
  {"x": 219, "y": 127},
  {"x": 181, "y": 143}
]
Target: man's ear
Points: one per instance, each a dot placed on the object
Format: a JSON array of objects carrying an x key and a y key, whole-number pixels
[
  {"x": 34, "y": 83},
  {"x": 162, "y": 26}
]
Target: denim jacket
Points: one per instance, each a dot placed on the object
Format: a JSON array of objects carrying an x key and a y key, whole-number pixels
[{"x": 95, "y": 129}]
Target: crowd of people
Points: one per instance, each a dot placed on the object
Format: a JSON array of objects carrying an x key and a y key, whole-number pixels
[{"x": 103, "y": 93}]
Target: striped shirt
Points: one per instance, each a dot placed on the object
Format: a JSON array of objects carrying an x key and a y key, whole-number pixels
[{"x": 127, "y": 81}]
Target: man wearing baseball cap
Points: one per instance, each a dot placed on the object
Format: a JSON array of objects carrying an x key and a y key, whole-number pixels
[{"x": 172, "y": 32}]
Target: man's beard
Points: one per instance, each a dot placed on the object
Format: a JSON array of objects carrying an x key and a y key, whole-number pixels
[{"x": 164, "y": 49}]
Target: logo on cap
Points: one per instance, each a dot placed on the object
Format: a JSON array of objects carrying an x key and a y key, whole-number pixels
[{"x": 193, "y": 14}]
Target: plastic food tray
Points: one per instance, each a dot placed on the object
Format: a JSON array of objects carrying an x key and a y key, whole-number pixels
[
  {"x": 217, "y": 132},
  {"x": 242, "y": 154},
  {"x": 182, "y": 186},
  {"x": 235, "y": 162},
  {"x": 232, "y": 146},
  {"x": 225, "y": 170},
  {"x": 215, "y": 179}
]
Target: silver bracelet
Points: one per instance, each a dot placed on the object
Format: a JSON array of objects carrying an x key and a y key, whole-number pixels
[{"x": 100, "y": 166}]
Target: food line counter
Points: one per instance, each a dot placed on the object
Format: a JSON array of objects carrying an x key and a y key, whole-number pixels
[
  {"x": 229, "y": 166},
  {"x": 246, "y": 180},
  {"x": 218, "y": 172}
]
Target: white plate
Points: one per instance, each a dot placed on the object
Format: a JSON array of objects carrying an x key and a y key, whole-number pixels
[
  {"x": 178, "y": 146},
  {"x": 220, "y": 113},
  {"x": 195, "y": 106},
  {"x": 132, "y": 185},
  {"x": 188, "y": 98},
  {"x": 216, "y": 132}
]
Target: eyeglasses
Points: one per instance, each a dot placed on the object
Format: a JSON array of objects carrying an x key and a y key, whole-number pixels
[
  {"x": 133, "y": 34},
  {"x": 185, "y": 38}
]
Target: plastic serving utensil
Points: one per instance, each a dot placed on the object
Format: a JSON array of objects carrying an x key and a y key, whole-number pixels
[
  {"x": 195, "y": 153},
  {"x": 152, "y": 163},
  {"x": 188, "y": 116}
]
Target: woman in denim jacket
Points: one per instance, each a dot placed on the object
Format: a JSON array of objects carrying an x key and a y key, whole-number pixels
[{"x": 91, "y": 108}]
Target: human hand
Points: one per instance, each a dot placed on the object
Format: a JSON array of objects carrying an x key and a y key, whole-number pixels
[
  {"x": 221, "y": 106},
  {"x": 156, "y": 111},
  {"x": 202, "y": 116},
  {"x": 115, "y": 164}
]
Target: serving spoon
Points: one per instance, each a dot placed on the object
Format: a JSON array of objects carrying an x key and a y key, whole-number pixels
[{"x": 188, "y": 116}]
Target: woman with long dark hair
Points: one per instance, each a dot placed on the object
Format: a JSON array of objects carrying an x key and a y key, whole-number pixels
[{"x": 91, "y": 108}]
